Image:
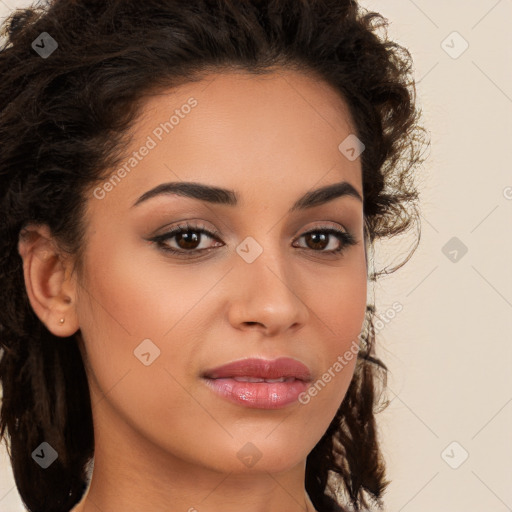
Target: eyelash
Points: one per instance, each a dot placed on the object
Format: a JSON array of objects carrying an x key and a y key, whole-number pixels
[{"x": 346, "y": 238}]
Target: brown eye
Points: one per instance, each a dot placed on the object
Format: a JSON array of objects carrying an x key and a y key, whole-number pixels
[
  {"x": 187, "y": 238},
  {"x": 319, "y": 239}
]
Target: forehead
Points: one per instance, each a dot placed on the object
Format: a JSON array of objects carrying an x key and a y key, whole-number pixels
[
  {"x": 255, "y": 101},
  {"x": 236, "y": 130}
]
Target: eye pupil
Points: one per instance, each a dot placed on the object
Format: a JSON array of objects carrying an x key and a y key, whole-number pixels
[
  {"x": 316, "y": 236},
  {"x": 191, "y": 235}
]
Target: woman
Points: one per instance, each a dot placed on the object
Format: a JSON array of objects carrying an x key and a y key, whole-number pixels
[{"x": 189, "y": 194}]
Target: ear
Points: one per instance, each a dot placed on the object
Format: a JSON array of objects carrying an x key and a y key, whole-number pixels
[{"x": 50, "y": 283}]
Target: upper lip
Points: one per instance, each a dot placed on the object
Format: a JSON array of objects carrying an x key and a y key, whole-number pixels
[{"x": 262, "y": 368}]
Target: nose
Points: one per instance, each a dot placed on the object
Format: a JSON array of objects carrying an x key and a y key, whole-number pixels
[{"x": 268, "y": 296}]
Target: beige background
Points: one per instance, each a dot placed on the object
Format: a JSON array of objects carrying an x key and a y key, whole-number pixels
[{"x": 450, "y": 349}]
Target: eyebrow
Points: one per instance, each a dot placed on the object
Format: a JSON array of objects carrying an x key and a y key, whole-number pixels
[{"x": 227, "y": 197}]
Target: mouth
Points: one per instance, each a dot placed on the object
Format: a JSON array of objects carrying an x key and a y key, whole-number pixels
[
  {"x": 259, "y": 379},
  {"x": 259, "y": 383}
]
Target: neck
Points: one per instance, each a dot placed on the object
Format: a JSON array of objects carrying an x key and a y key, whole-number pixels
[
  {"x": 226, "y": 493},
  {"x": 132, "y": 474}
]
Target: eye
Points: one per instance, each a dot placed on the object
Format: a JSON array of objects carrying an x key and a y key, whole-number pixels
[
  {"x": 188, "y": 238},
  {"x": 320, "y": 238}
]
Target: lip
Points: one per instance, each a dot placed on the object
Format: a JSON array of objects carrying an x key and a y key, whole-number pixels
[{"x": 228, "y": 381}]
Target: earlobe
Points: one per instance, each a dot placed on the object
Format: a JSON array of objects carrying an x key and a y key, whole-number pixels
[{"x": 48, "y": 280}]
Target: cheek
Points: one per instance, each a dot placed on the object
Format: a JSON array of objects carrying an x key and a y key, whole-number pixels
[
  {"x": 125, "y": 302},
  {"x": 339, "y": 300},
  {"x": 339, "y": 305},
  {"x": 139, "y": 294}
]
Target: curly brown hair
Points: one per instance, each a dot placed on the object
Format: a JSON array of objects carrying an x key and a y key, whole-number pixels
[{"x": 63, "y": 124}]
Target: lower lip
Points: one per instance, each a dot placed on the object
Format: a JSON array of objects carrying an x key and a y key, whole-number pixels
[{"x": 258, "y": 395}]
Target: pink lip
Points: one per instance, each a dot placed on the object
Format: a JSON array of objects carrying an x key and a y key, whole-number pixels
[{"x": 260, "y": 395}]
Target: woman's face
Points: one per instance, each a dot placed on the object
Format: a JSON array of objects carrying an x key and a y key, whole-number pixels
[{"x": 153, "y": 321}]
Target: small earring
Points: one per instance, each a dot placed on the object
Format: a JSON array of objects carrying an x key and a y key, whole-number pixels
[{"x": 61, "y": 321}]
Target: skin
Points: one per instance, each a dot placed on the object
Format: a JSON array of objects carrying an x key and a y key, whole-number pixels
[{"x": 161, "y": 436}]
